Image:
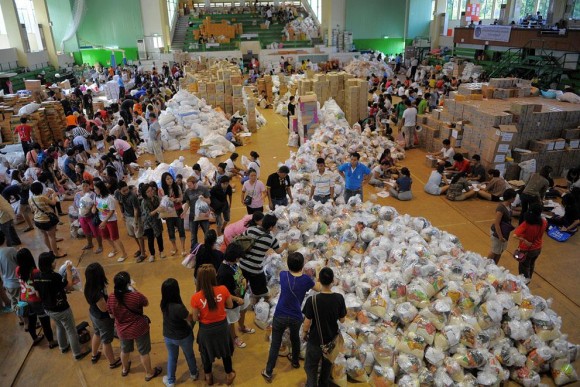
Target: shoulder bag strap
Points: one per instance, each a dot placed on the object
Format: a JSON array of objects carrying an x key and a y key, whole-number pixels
[
  {"x": 40, "y": 209},
  {"x": 317, "y": 319},
  {"x": 129, "y": 309}
]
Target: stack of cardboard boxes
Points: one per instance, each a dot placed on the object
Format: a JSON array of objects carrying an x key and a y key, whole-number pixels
[
  {"x": 223, "y": 32},
  {"x": 250, "y": 103},
  {"x": 265, "y": 86},
  {"x": 545, "y": 130},
  {"x": 308, "y": 120}
]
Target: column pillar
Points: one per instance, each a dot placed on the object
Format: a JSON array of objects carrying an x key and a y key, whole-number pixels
[
  {"x": 436, "y": 24},
  {"x": 165, "y": 30},
  {"x": 15, "y": 35},
  {"x": 42, "y": 18},
  {"x": 333, "y": 15}
]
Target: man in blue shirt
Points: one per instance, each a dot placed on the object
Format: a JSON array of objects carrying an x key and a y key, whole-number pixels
[{"x": 355, "y": 175}]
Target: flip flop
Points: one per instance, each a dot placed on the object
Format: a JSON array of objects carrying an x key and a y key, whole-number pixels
[
  {"x": 96, "y": 358},
  {"x": 126, "y": 372},
  {"x": 247, "y": 330},
  {"x": 59, "y": 239},
  {"x": 156, "y": 372},
  {"x": 116, "y": 364},
  {"x": 61, "y": 256}
]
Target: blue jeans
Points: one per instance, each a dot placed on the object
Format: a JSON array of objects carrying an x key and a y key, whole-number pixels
[
  {"x": 173, "y": 354},
  {"x": 194, "y": 226},
  {"x": 279, "y": 325},
  {"x": 313, "y": 358},
  {"x": 321, "y": 199},
  {"x": 66, "y": 330}
]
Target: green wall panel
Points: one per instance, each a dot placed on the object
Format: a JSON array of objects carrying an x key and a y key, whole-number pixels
[
  {"x": 60, "y": 14},
  {"x": 111, "y": 23},
  {"x": 92, "y": 56},
  {"x": 419, "y": 19},
  {"x": 372, "y": 19},
  {"x": 387, "y": 46}
]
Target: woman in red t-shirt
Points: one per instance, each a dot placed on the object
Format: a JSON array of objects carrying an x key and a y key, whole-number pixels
[
  {"x": 213, "y": 338},
  {"x": 26, "y": 271},
  {"x": 530, "y": 234}
]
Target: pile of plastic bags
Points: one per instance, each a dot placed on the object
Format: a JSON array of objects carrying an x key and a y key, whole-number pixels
[
  {"x": 177, "y": 167},
  {"x": 301, "y": 25},
  {"x": 187, "y": 117},
  {"x": 471, "y": 71},
  {"x": 335, "y": 141},
  {"x": 420, "y": 309},
  {"x": 363, "y": 67}
]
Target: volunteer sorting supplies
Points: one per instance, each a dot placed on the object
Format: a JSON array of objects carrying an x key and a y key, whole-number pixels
[{"x": 334, "y": 141}]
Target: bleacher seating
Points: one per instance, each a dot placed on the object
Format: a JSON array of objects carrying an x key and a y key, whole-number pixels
[{"x": 251, "y": 25}]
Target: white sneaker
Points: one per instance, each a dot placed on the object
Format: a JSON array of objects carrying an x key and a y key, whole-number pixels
[
  {"x": 167, "y": 383},
  {"x": 112, "y": 254},
  {"x": 151, "y": 258},
  {"x": 121, "y": 259}
]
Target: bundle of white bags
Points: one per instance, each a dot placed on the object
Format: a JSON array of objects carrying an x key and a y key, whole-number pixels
[
  {"x": 302, "y": 25},
  {"x": 363, "y": 67}
]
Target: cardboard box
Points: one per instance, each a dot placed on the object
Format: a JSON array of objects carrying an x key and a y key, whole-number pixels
[
  {"x": 573, "y": 144},
  {"x": 559, "y": 144},
  {"x": 541, "y": 145},
  {"x": 504, "y": 134}
]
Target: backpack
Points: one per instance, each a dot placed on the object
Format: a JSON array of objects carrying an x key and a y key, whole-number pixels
[
  {"x": 246, "y": 242},
  {"x": 40, "y": 158}
]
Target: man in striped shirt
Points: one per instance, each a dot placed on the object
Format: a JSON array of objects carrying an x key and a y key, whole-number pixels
[
  {"x": 322, "y": 183},
  {"x": 252, "y": 264}
]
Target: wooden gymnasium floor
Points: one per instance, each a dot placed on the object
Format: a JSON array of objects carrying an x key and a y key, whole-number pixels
[{"x": 20, "y": 365}]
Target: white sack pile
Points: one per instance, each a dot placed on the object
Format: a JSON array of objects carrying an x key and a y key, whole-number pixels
[
  {"x": 187, "y": 117},
  {"x": 14, "y": 155},
  {"x": 175, "y": 168},
  {"x": 420, "y": 309},
  {"x": 471, "y": 71},
  {"x": 335, "y": 141},
  {"x": 302, "y": 25},
  {"x": 364, "y": 67},
  {"x": 281, "y": 101}
]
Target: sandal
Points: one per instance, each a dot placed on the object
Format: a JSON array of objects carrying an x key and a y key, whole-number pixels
[
  {"x": 239, "y": 343},
  {"x": 116, "y": 364},
  {"x": 267, "y": 377},
  {"x": 112, "y": 254},
  {"x": 125, "y": 372},
  {"x": 156, "y": 372},
  {"x": 28, "y": 229},
  {"x": 294, "y": 365},
  {"x": 247, "y": 330},
  {"x": 96, "y": 358},
  {"x": 61, "y": 256},
  {"x": 99, "y": 250},
  {"x": 59, "y": 239},
  {"x": 52, "y": 345},
  {"x": 88, "y": 247}
]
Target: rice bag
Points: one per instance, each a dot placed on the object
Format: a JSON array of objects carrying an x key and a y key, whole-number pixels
[
  {"x": 85, "y": 204},
  {"x": 355, "y": 370},
  {"x": 453, "y": 369},
  {"x": 262, "y": 311},
  {"x": 76, "y": 275},
  {"x": 408, "y": 363},
  {"x": 338, "y": 371},
  {"x": 563, "y": 372},
  {"x": 406, "y": 312},
  {"x": 525, "y": 377},
  {"x": 382, "y": 376},
  {"x": 384, "y": 353},
  {"x": 538, "y": 357},
  {"x": 471, "y": 358},
  {"x": 413, "y": 344},
  {"x": 424, "y": 328},
  {"x": 377, "y": 303}
]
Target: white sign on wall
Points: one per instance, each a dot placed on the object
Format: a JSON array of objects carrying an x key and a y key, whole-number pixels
[{"x": 494, "y": 33}]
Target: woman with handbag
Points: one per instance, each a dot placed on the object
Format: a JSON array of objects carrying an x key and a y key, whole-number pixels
[
  {"x": 172, "y": 190},
  {"x": 83, "y": 202},
  {"x": 530, "y": 234},
  {"x": 320, "y": 328},
  {"x": 209, "y": 308},
  {"x": 26, "y": 271},
  {"x": 126, "y": 305},
  {"x": 106, "y": 207},
  {"x": 503, "y": 223},
  {"x": 253, "y": 193},
  {"x": 96, "y": 295},
  {"x": 177, "y": 331},
  {"x": 208, "y": 253},
  {"x": 44, "y": 217}
]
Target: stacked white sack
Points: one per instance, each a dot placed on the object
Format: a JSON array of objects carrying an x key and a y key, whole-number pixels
[{"x": 364, "y": 67}]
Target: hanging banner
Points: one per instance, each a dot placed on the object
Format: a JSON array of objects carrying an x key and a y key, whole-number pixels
[{"x": 494, "y": 33}]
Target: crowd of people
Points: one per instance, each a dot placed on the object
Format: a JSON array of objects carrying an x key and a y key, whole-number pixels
[{"x": 229, "y": 277}]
